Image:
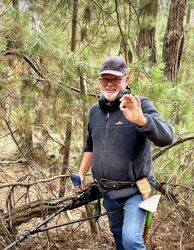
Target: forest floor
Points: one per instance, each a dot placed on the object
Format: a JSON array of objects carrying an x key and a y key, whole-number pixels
[
  {"x": 171, "y": 229},
  {"x": 168, "y": 232},
  {"x": 79, "y": 237}
]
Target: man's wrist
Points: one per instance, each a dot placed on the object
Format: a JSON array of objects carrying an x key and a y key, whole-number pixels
[
  {"x": 142, "y": 122},
  {"x": 82, "y": 177}
]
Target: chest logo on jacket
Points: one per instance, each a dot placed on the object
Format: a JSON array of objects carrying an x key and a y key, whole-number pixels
[{"x": 119, "y": 123}]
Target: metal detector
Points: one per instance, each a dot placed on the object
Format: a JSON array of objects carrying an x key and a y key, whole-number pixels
[{"x": 90, "y": 194}]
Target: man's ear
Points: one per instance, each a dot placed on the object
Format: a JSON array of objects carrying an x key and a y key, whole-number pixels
[{"x": 127, "y": 80}]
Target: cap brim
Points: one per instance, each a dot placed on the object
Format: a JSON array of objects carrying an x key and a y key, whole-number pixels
[{"x": 112, "y": 72}]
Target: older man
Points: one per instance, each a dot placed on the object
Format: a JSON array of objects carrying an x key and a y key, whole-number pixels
[{"x": 121, "y": 127}]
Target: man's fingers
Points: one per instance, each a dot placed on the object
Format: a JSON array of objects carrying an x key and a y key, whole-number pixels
[
  {"x": 129, "y": 98},
  {"x": 137, "y": 99},
  {"x": 77, "y": 190},
  {"x": 123, "y": 104}
]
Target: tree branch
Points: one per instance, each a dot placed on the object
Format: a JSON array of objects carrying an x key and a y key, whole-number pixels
[
  {"x": 163, "y": 150},
  {"x": 23, "y": 184},
  {"x": 27, "y": 59}
]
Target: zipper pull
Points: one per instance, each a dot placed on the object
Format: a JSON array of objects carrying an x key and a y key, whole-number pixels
[{"x": 107, "y": 116}]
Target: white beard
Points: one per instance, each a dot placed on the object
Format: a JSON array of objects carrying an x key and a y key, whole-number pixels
[{"x": 110, "y": 97}]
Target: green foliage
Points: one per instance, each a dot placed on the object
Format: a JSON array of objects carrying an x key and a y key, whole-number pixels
[
  {"x": 45, "y": 91},
  {"x": 148, "y": 10},
  {"x": 40, "y": 87}
]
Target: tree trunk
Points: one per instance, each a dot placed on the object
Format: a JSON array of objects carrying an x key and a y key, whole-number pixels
[
  {"x": 66, "y": 153},
  {"x": 148, "y": 11},
  {"x": 67, "y": 143},
  {"x": 146, "y": 38},
  {"x": 74, "y": 25},
  {"x": 83, "y": 100},
  {"x": 174, "y": 39}
]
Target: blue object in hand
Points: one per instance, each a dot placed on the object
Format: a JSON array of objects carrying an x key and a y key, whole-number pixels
[{"x": 75, "y": 179}]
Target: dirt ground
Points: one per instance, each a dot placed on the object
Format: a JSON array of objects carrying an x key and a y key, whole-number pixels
[{"x": 79, "y": 237}]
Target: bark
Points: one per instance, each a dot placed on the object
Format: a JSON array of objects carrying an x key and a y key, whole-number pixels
[
  {"x": 66, "y": 153},
  {"x": 83, "y": 92},
  {"x": 174, "y": 39},
  {"x": 67, "y": 143},
  {"x": 26, "y": 134},
  {"x": 148, "y": 11},
  {"x": 15, "y": 3},
  {"x": 146, "y": 38},
  {"x": 89, "y": 211},
  {"x": 74, "y": 25}
]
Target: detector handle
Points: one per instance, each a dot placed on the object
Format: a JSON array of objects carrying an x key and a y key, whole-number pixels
[{"x": 75, "y": 178}]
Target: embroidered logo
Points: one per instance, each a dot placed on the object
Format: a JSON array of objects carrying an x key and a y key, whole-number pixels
[{"x": 119, "y": 123}]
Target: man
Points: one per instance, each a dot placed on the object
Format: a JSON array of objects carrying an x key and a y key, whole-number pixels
[{"x": 121, "y": 128}]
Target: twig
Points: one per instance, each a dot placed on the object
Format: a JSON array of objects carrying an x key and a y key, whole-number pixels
[{"x": 14, "y": 139}]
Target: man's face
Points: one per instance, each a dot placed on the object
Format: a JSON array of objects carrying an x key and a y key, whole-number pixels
[{"x": 111, "y": 85}]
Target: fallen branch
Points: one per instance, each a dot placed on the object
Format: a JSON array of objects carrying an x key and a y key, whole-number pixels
[{"x": 24, "y": 213}]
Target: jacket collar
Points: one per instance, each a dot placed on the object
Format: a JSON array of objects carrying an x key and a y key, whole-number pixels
[{"x": 110, "y": 107}]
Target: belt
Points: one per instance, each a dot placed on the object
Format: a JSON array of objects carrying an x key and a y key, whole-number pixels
[{"x": 110, "y": 184}]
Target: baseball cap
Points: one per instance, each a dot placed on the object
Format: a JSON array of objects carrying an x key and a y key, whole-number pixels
[{"x": 114, "y": 65}]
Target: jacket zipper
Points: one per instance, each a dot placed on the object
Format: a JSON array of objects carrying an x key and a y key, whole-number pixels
[{"x": 105, "y": 135}]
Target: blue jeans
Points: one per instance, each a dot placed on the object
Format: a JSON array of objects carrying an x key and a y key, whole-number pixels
[{"x": 127, "y": 225}]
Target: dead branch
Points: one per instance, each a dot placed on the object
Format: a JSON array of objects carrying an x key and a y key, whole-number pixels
[
  {"x": 163, "y": 150},
  {"x": 160, "y": 187},
  {"x": 23, "y": 184},
  {"x": 174, "y": 198}
]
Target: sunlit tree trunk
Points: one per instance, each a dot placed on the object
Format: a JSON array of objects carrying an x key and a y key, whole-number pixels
[{"x": 174, "y": 39}]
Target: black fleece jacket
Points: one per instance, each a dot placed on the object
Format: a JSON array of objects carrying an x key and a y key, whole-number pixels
[{"x": 121, "y": 149}]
